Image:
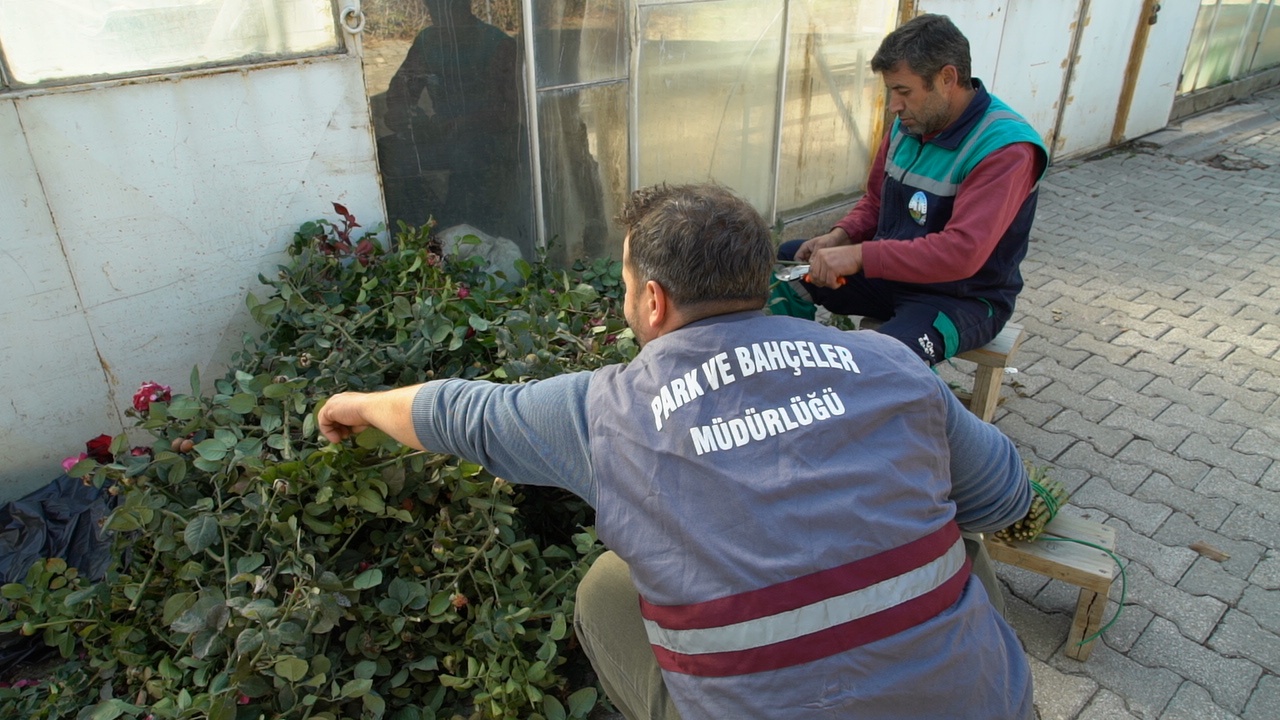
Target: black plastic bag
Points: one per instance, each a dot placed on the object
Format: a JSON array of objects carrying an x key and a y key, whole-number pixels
[{"x": 64, "y": 520}]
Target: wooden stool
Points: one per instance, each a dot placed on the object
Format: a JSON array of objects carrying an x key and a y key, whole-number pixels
[
  {"x": 1090, "y": 569},
  {"x": 991, "y": 359}
]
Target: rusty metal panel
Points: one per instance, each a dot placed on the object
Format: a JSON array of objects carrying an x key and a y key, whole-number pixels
[
  {"x": 166, "y": 199},
  {"x": 1034, "y": 56},
  {"x": 1157, "y": 82},
  {"x": 1097, "y": 77}
]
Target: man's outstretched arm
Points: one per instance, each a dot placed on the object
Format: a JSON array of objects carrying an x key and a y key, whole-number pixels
[{"x": 391, "y": 411}]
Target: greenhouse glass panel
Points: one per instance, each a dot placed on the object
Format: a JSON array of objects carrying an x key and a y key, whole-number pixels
[
  {"x": 579, "y": 41},
  {"x": 1268, "y": 54},
  {"x": 453, "y": 142},
  {"x": 833, "y": 100},
  {"x": 63, "y": 39},
  {"x": 583, "y": 149},
  {"x": 1223, "y": 46},
  {"x": 1199, "y": 41},
  {"x": 707, "y": 93}
]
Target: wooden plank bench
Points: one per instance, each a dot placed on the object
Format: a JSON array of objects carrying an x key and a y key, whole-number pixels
[
  {"x": 1090, "y": 569},
  {"x": 991, "y": 359}
]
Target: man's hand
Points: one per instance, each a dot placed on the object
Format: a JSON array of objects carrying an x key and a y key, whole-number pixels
[
  {"x": 350, "y": 413},
  {"x": 835, "y": 238},
  {"x": 342, "y": 416},
  {"x": 828, "y": 266}
]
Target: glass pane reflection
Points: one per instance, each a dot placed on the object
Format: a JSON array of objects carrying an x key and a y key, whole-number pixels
[
  {"x": 583, "y": 146},
  {"x": 707, "y": 94},
  {"x": 579, "y": 41},
  {"x": 452, "y": 142},
  {"x": 833, "y": 100},
  {"x": 122, "y": 37}
]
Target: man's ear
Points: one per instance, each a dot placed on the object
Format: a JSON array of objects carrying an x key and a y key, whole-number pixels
[
  {"x": 657, "y": 304},
  {"x": 949, "y": 76}
]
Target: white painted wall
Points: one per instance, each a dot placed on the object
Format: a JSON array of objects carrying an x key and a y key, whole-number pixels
[
  {"x": 137, "y": 217},
  {"x": 1022, "y": 48}
]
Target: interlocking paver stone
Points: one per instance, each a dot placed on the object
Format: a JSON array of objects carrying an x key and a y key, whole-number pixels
[
  {"x": 1146, "y": 687},
  {"x": 1106, "y": 705},
  {"x": 1060, "y": 696},
  {"x": 1195, "y": 615},
  {"x": 1207, "y": 512},
  {"x": 1193, "y": 702},
  {"x": 1229, "y": 680},
  {"x": 1142, "y": 517},
  {"x": 1265, "y": 700},
  {"x": 1239, "y": 635},
  {"x": 1263, "y": 605}
]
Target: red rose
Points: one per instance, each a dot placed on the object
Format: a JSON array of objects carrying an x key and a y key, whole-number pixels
[
  {"x": 151, "y": 392},
  {"x": 99, "y": 449},
  {"x": 463, "y": 292}
]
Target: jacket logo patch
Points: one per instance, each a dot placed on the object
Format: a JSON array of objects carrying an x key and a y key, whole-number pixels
[{"x": 919, "y": 207}]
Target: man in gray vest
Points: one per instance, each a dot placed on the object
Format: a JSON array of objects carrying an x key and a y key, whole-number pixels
[{"x": 783, "y": 501}]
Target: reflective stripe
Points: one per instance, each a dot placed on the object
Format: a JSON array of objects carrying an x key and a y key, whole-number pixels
[{"x": 812, "y": 617}]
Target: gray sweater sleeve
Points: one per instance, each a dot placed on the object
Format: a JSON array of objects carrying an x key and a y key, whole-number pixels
[
  {"x": 989, "y": 482},
  {"x": 533, "y": 433}
]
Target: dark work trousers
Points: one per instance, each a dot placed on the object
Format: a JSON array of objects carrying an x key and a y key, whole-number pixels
[{"x": 934, "y": 326}]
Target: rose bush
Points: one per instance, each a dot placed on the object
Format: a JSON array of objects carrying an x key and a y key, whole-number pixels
[{"x": 263, "y": 572}]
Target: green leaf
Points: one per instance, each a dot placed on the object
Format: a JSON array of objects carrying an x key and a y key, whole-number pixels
[
  {"x": 370, "y": 501},
  {"x": 275, "y": 391},
  {"x": 184, "y": 407},
  {"x": 79, "y": 596},
  {"x": 211, "y": 449},
  {"x": 552, "y": 708},
  {"x": 201, "y": 532},
  {"x": 479, "y": 323},
  {"x": 242, "y": 403},
  {"x": 582, "y": 701},
  {"x": 123, "y": 521},
  {"x": 13, "y": 591},
  {"x": 371, "y": 438},
  {"x": 558, "y": 627},
  {"x": 440, "y": 603},
  {"x": 271, "y": 308},
  {"x": 368, "y": 579},
  {"x": 111, "y": 709},
  {"x": 175, "y": 606},
  {"x": 250, "y": 562},
  {"x": 357, "y": 688},
  {"x": 291, "y": 668}
]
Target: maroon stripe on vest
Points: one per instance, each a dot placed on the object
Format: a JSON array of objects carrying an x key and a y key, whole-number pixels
[
  {"x": 806, "y": 590},
  {"x": 825, "y": 643}
]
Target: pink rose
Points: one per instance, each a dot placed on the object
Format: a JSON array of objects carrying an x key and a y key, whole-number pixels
[
  {"x": 464, "y": 292},
  {"x": 151, "y": 392},
  {"x": 70, "y": 462}
]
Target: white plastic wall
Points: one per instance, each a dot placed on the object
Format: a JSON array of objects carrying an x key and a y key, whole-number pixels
[
  {"x": 137, "y": 218},
  {"x": 1024, "y": 50}
]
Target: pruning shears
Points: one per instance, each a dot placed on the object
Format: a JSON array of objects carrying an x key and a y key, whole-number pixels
[{"x": 798, "y": 272}]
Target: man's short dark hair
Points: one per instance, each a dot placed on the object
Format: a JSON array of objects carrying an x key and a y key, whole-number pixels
[
  {"x": 702, "y": 243},
  {"x": 926, "y": 43}
]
